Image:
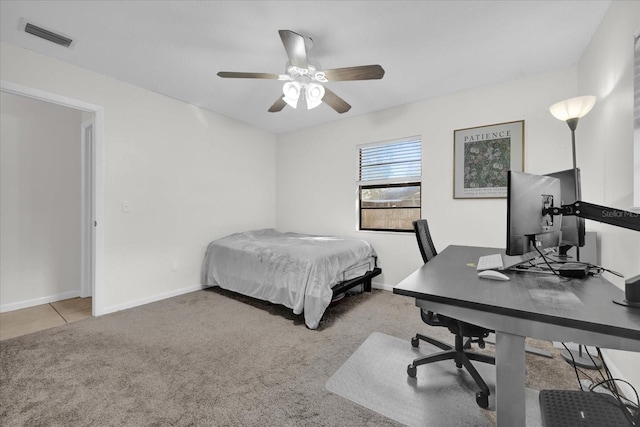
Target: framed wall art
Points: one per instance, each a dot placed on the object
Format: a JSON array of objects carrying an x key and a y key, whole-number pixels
[{"x": 483, "y": 155}]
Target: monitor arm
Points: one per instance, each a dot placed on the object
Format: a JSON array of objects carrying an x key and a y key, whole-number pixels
[{"x": 617, "y": 217}]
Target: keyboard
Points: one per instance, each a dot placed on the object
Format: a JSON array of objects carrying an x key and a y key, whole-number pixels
[{"x": 490, "y": 262}]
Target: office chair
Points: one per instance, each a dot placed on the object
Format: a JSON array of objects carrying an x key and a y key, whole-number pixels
[{"x": 461, "y": 330}]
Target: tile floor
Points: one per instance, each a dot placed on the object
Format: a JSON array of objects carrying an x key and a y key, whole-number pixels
[{"x": 33, "y": 319}]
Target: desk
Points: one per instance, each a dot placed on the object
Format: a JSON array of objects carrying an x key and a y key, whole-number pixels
[{"x": 529, "y": 305}]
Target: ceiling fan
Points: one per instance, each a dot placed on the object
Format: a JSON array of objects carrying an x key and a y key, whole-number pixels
[{"x": 304, "y": 79}]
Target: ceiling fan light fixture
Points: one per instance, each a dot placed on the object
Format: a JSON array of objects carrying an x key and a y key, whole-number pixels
[
  {"x": 314, "y": 94},
  {"x": 291, "y": 91},
  {"x": 304, "y": 79}
]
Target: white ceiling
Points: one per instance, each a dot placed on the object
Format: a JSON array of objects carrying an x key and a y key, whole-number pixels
[{"x": 427, "y": 48}]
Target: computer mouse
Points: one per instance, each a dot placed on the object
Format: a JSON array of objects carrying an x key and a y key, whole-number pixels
[{"x": 493, "y": 275}]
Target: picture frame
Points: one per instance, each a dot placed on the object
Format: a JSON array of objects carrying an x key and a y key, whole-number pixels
[{"x": 482, "y": 156}]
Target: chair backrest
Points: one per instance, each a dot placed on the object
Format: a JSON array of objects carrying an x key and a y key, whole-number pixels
[
  {"x": 425, "y": 243},
  {"x": 428, "y": 251}
]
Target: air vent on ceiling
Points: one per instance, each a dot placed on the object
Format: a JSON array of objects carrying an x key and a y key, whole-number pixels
[{"x": 48, "y": 35}]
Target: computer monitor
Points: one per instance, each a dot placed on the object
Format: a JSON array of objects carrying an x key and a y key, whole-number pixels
[
  {"x": 528, "y": 230},
  {"x": 572, "y": 227}
]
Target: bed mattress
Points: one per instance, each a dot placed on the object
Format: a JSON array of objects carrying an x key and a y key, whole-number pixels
[{"x": 292, "y": 269}]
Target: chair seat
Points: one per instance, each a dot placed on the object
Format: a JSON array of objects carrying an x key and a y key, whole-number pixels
[{"x": 455, "y": 326}]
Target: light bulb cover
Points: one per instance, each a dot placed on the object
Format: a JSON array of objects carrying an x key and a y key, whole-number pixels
[
  {"x": 573, "y": 108},
  {"x": 313, "y": 94},
  {"x": 291, "y": 91}
]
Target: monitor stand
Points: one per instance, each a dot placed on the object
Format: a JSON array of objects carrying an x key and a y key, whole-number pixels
[{"x": 563, "y": 252}]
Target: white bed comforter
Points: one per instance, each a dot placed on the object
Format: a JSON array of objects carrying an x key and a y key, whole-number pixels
[{"x": 295, "y": 270}]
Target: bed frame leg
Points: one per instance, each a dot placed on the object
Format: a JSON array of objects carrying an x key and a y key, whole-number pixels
[{"x": 364, "y": 280}]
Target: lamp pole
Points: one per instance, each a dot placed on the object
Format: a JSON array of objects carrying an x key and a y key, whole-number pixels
[
  {"x": 573, "y": 125},
  {"x": 570, "y": 111}
]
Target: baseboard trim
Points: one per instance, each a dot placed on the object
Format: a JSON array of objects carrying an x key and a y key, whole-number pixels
[
  {"x": 382, "y": 286},
  {"x": 153, "y": 298},
  {"x": 39, "y": 301}
]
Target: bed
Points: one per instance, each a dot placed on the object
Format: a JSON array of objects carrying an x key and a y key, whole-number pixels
[{"x": 300, "y": 271}]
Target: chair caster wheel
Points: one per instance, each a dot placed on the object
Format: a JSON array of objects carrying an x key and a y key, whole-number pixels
[
  {"x": 481, "y": 344},
  {"x": 482, "y": 400},
  {"x": 415, "y": 342},
  {"x": 411, "y": 371}
]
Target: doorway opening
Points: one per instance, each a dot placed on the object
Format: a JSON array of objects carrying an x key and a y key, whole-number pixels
[{"x": 92, "y": 188}]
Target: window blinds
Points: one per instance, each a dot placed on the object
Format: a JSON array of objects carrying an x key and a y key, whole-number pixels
[{"x": 391, "y": 162}]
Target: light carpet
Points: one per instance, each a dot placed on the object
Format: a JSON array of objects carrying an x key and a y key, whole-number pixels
[{"x": 213, "y": 358}]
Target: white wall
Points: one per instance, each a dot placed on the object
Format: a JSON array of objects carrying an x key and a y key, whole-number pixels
[
  {"x": 39, "y": 202},
  {"x": 190, "y": 176},
  {"x": 317, "y": 167},
  {"x": 605, "y": 146}
]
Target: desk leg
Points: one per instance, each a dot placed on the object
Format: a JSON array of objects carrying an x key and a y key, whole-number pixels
[{"x": 510, "y": 376}]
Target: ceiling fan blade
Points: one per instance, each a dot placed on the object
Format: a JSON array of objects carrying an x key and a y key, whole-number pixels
[
  {"x": 335, "y": 102},
  {"x": 295, "y": 47},
  {"x": 234, "y": 75},
  {"x": 363, "y": 72},
  {"x": 278, "y": 105}
]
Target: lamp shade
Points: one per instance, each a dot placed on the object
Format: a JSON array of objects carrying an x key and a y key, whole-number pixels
[
  {"x": 314, "y": 94},
  {"x": 573, "y": 108},
  {"x": 291, "y": 91}
]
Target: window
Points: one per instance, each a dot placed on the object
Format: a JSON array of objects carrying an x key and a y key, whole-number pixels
[{"x": 389, "y": 185}]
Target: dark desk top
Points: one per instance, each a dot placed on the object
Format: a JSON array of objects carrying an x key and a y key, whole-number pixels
[{"x": 451, "y": 278}]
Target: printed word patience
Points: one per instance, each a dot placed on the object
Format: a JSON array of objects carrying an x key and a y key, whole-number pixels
[{"x": 488, "y": 135}]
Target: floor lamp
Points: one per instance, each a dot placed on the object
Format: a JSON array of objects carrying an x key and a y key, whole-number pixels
[{"x": 570, "y": 111}]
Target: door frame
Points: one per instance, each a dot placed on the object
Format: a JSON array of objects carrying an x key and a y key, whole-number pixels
[
  {"x": 87, "y": 221},
  {"x": 96, "y": 247}
]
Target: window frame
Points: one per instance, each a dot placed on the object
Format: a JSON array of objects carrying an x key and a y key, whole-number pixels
[
  {"x": 371, "y": 186},
  {"x": 408, "y": 181}
]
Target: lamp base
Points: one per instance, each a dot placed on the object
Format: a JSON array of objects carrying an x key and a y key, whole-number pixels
[
  {"x": 581, "y": 360},
  {"x": 627, "y": 303}
]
